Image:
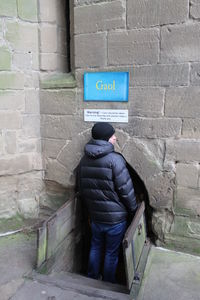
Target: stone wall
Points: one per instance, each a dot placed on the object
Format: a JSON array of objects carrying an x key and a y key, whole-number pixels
[{"x": 20, "y": 143}]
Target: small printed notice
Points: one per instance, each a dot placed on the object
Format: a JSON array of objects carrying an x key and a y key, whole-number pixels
[{"x": 106, "y": 115}]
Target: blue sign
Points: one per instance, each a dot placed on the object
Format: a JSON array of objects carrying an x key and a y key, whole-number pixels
[{"x": 106, "y": 86}]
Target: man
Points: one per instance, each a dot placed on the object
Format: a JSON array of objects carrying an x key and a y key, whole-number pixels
[{"x": 107, "y": 191}]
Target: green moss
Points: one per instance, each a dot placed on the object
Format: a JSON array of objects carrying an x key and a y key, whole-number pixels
[
  {"x": 58, "y": 81},
  {"x": 27, "y": 10},
  {"x": 11, "y": 224}
]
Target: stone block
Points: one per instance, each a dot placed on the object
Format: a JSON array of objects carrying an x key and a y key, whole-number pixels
[
  {"x": 29, "y": 208},
  {"x": 58, "y": 102},
  {"x": 180, "y": 43},
  {"x": 22, "y": 37},
  {"x": 154, "y": 128},
  {"x": 47, "y": 11},
  {"x": 12, "y": 100},
  {"x": 183, "y": 150},
  {"x": 29, "y": 145},
  {"x": 48, "y": 38},
  {"x": 52, "y": 147},
  {"x": 8, "y": 8},
  {"x": 146, "y": 102},
  {"x": 1, "y": 143},
  {"x": 62, "y": 41},
  {"x": 90, "y": 50},
  {"x": 32, "y": 102},
  {"x": 15, "y": 164},
  {"x": 160, "y": 75},
  {"x": 31, "y": 126},
  {"x": 87, "y": 2},
  {"x": 133, "y": 47},
  {"x": 187, "y": 201},
  {"x": 10, "y": 142},
  {"x": 61, "y": 13},
  {"x": 48, "y": 61},
  {"x": 11, "y": 81},
  {"x": 182, "y": 102},
  {"x": 58, "y": 173},
  {"x": 103, "y": 16},
  {"x": 30, "y": 185},
  {"x": 22, "y": 61},
  {"x": 61, "y": 127},
  {"x": 195, "y": 74},
  {"x": 187, "y": 175},
  {"x": 149, "y": 13},
  {"x": 195, "y": 9},
  {"x": 10, "y": 120},
  {"x": 5, "y": 59},
  {"x": 184, "y": 226},
  {"x": 191, "y": 128},
  {"x": 27, "y": 10}
]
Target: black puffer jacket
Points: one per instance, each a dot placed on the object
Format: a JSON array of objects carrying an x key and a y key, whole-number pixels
[{"x": 105, "y": 184}]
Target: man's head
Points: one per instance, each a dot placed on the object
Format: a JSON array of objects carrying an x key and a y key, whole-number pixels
[{"x": 103, "y": 131}]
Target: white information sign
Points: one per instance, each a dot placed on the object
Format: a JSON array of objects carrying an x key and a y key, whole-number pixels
[{"x": 106, "y": 115}]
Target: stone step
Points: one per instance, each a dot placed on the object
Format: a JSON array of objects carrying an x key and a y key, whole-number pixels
[{"x": 83, "y": 285}]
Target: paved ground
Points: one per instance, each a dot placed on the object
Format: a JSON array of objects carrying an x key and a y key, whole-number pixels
[{"x": 169, "y": 275}]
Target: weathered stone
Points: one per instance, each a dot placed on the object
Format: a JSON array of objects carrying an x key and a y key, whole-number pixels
[
  {"x": 191, "y": 128},
  {"x": 30, "y": 145},
  {"x": 48, "y": 61},
  {"x": 10, "y": 142},
  {"x": 8, "y": 8},
  {"x": 187, "y": 175},
  {"x": 187, "y": 201},
  {"x": 135, "y": 46},
  {"x": 52, "y": 147},
  {"x": 58, "y": 102},
  {"x": 5, "y": 59},
  {"x": 11, "y": 81},
  {"x": 184, "y": 226},
  {"x": 146, "y": 102},
  {"x": 183, "y": 150},
  {"x": 83, "y": 2},
  {"x": 30, "y": 185},
  {"x": 160, "y": 75},
  {"x": 144, "y": 13},
  {"x": 22, "y": 61},
  {"x": 22, "y": 37},
  {"x": 180, "y": 43},
  {"x": 11, "y": 100},
  {"x": 154, "y": 128},
  {"x": 61, "y": 127},
  {"x": 58, "y": 81},
  {"x": 183, "y": 244},
  {"x": 15, "y": 165},
  {"x": 62, "y": 41},
  {"x": 47, "y": 11},
  {"x": 195, "y": 9},
  {"x": 32, "y": 101},
  {"x": 195, "y": 74},
  {"x": 27, "y": 10},
  {"x": 31, "y": 126},
  {"x": 102, "y": 17},
  {"x": 48, "y": 38},
  {"x": 29, "y": 208},
  {"x": 1, "y": 143},
  {"x": 90, "y": 50},
  {"x": 10, "y": 120},
  {"x": 182, "y": 102}
]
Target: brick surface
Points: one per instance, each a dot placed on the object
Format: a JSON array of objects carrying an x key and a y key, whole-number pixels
[
  {"x": 180, "y": 43},
  {"x": 160, "y": 75},
  {"x": 191, "y": 128},
  {"x": 154, "y": 128},
  {"x": 22, "y": 37},
  {"x": 187, "y": 175},
  {"x": 146, "y": 102},
  {"x": 61, "y": 102},
  {"x": 182, "y": 102},
  {"x": 90, "y": 50},
  {"x": 48, "y": 38},
  {"x": 135, "y": 46},
  {"x": 146, "y": 13},
  {"x": 183, "y": 150},
  {"x": 10, "y": 120},
  {"x": 102, "y": 17}
]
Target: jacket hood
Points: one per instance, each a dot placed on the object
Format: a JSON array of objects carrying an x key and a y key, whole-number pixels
[{"x": 98, "y": 148}]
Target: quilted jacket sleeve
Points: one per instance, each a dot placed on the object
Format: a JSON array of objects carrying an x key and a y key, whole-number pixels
[{"x": 123, "y": 184}]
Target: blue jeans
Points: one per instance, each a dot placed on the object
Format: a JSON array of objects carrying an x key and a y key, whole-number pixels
[{"x": 108, "y": 237}]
